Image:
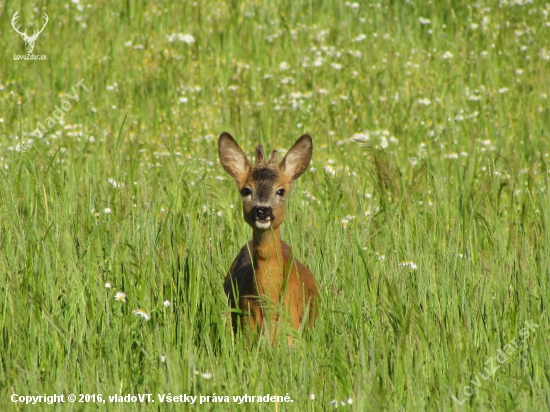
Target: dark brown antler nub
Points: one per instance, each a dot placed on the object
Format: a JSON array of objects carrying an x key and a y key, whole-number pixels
[{"x": 260, "y": 157}]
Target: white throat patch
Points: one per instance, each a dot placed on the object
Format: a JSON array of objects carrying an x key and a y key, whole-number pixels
[{"x": 263, "y": 225}]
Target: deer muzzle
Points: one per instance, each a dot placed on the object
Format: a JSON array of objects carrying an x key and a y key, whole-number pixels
[{"x": 263, "y": 215}]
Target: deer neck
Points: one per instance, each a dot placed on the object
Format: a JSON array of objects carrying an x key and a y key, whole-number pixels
[{"x": 268, "y": 261}]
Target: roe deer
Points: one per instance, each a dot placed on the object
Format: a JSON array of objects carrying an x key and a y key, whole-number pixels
[{"x": 265, "y": 280}]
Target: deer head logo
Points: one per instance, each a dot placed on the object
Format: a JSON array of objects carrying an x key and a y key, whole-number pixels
[{"x": 29, "y": 40}]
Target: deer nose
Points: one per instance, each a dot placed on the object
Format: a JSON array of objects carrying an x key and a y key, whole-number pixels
[{"x": 263, "y": 212}]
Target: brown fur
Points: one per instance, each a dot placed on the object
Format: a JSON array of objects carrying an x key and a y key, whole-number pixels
[{"x": 265, "y": 280}]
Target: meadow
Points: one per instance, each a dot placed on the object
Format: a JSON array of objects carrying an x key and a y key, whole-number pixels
[{"x": 424, "y": 215}]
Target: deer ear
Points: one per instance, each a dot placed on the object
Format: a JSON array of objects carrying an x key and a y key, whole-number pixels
[
  {"x": 232, "y": 157},
  {"x": 297, "y": 158}
]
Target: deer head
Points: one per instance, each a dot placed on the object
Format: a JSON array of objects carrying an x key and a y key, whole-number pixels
[
  {"x": 29, "y": 40},
  {"x": 265, "y": 186}
]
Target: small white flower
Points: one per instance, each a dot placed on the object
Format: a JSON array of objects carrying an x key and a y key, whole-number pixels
[
  {"x": 383, "y": 142},
  {"x": 336, "y": 66},
  {"x": 474, "y": 26},
  {"x": 115, "y": 184},
  {"x": 206, "y": 375},
  {"x": 284, "y": 66},
  {"x": 447, "y": 55},
  {"x": 128, "y": 43},
  {"x": 107, "y": 210},
  {"x": 361, "y": 137},
  {"x": 183, "y": 100},
  {"x": 142, "y": 313},
  {"x": 424, "y": 21},
  {"x": 108, "y": 285},
  {"x": 163, "y": 358},
  {"x": 166, "y": 303},
  {"x": 312, "y": 396},
  {"x": 187, "y": 38},
  {"x": 503, "y": 90},
  {"x": 120, "y": 296},
  {"x": 425, "y": 101},
  {"x": 349, "y": 401},
  {"x": 519, "y": 71},
  {"x": 330, "y": 170},
  {"x": 323, "y": 92},
  {"x": 359, "y": 38},
  {"x": 318, "y": 62},
  {"x": 409, "y": 264}
]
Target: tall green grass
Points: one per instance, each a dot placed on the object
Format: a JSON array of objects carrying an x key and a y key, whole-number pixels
[{"x": 424, "y": 217}]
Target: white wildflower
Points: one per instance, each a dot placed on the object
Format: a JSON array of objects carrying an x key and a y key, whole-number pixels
[
  {"x": 318, "y": 62},
  {"x": 409, "y": 264},
  {"x": 142, "y": 313},
  {"x": 186, "y": 38},
  {"x": 361, "y": 137},
  {"x": 284, "y": 66}
]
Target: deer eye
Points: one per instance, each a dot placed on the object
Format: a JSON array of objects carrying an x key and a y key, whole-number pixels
[
  {"x": 246, "y": 192},
  {"x": 281, "y": 192}
]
